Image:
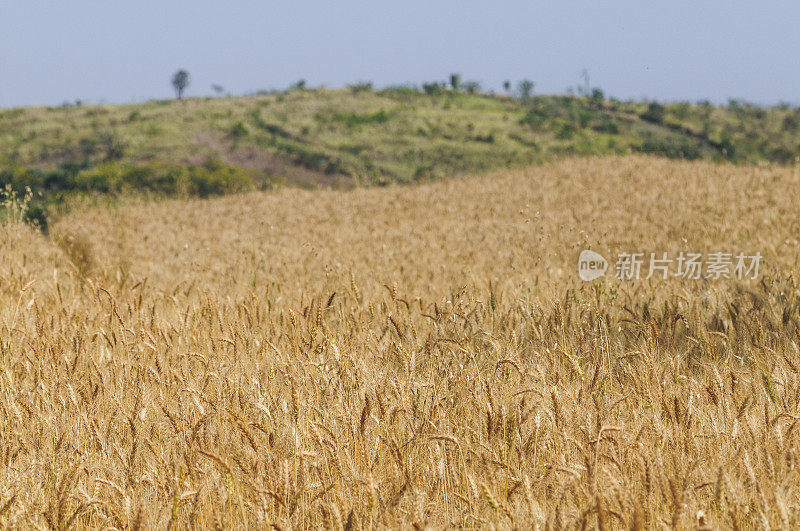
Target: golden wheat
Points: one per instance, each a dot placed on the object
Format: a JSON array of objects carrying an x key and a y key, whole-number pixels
[{"x": 422, "y": 356}]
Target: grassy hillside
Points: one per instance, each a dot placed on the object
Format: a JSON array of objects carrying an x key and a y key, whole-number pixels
[
  {"x": 412, "y": 357},
  {"x": 359, "y": 136}
]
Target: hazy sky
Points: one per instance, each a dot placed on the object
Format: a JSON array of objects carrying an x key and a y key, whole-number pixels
[{"x": 114, "y": 51}]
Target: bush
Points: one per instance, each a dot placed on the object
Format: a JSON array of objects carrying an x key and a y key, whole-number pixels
[
  {"x": 113, "y": 146},
  {"x": 402, "y": 92},
  {"x": 63, "y": 178},
  {"x": 212, "y": 178},
  {"x": 728, "y": 148},
  {"x": 681, "y": 110},
  {"x": 363, "y": 86},
  {"x": 565, "y": 132},
  {"x": 106, "y": 178},
  {"x": 18, "y": 177},
  {"x": 670, "y": 147},
  {"x": 583, "y": 117},
  {"x": 215, "y": 178},
  {"x": 36, "y": 215},
  {"x": 472, "y": 87},
  {"x": 538, "y": 115},
  {"x": 606, "y": 125},
  {"x": 354, "y": 119},
  {"x": 782, "y": 155},
  {"x": 791, "y": 123},
  {"x": 87, "y": 146},
  {"x": 156, "y": 177},
  {"x": 434, "y": 88},
  {"x": 239, "y": 130},
  {"x": 654, "y": 113}
]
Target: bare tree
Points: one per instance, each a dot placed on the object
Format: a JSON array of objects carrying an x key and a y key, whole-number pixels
[
  {"x": 180, "y": 81},
  {"x": 586, "y": 83}
]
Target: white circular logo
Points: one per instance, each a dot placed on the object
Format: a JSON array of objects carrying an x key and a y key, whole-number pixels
[{"x": 591, "y": 265}]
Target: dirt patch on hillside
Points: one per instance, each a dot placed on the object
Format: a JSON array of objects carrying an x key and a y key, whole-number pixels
[{"x": 273, "y": 165}]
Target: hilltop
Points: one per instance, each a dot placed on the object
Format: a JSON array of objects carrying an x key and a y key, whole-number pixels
[{"x": 360, "y": 136}]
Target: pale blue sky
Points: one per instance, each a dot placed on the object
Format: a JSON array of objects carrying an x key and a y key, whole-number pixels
[{"x": 106, "y": 50}]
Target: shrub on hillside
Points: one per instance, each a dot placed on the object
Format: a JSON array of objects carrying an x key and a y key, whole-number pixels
[
  {"x": 681, "y": 110},
  {"x": 472, "y": 87},
  {"x": 216, "y": 178},
  {"x": 654, "y": 113},
  {"x": 113, "y": 145},
  {"x": 18, "y": 177},
  {"x": 583, "y": 117},
  {"x": 670, "y": 147},
  {"x": 566, "y": 131},
  {"x": 791, "y": 123},
  {"x": 782, "y": 155},
  {"x": 401, "y": 92},
  {"x": 434, "y": 88},
  {"x": 727, "y": 147},
  {"x": 212, "y": 178},
  {"x": 606, "y": 125},
  {"x": 239, "y": 130},
  {"x": 363, "y": 86},
  {"x": 537, "y": 116},
  {"x": 354, "y": 119},
  {"x": 106, "y": 178}
]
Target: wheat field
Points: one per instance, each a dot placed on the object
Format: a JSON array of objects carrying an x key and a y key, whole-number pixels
[{"x": 421, "y": 356}]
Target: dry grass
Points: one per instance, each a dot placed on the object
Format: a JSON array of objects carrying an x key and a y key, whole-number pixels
[{"x": 420, "y": 356}]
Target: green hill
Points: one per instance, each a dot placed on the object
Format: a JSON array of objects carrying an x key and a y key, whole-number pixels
[{"x": 358, "y": 136}]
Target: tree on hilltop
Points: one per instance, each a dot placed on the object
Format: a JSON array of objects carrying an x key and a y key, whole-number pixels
[{"x": 180, "y": 81}]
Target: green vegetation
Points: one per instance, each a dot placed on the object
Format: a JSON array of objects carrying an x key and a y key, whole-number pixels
[
  {"x": 209, "y": 178},
  {"x": 361, "y": 136}
]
